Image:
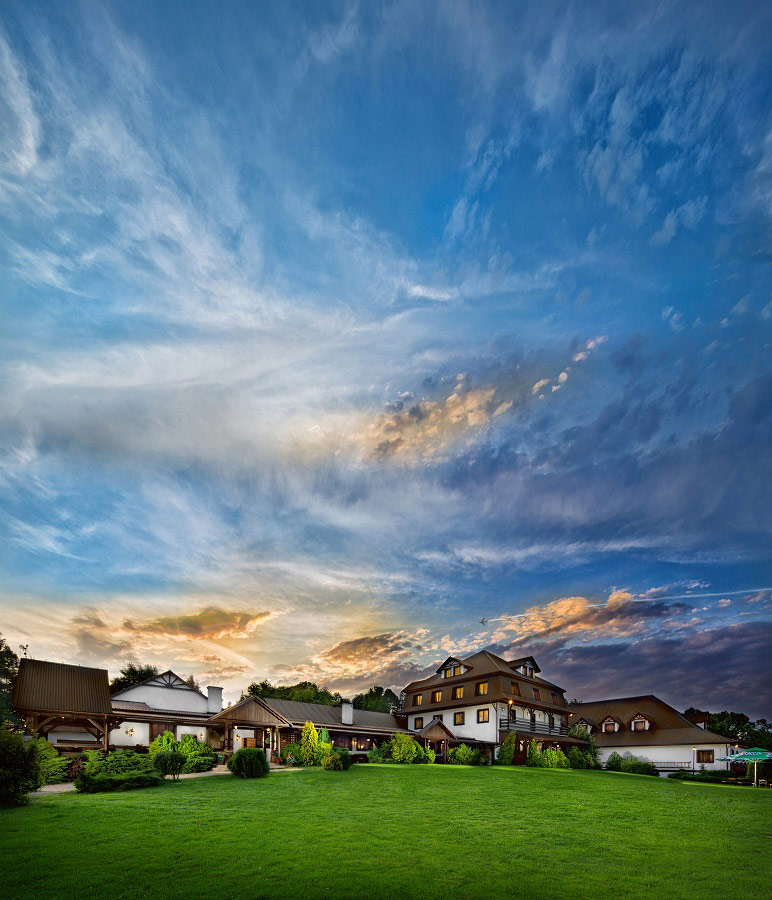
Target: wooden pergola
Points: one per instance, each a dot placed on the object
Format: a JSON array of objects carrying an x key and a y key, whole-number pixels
[{"x": 51, "y": 695}]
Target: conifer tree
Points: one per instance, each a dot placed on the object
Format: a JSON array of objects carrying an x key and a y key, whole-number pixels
[{"x": 309, "y": 743}]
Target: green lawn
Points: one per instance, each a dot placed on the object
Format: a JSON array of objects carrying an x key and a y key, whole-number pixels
[{"x": 394, "y": 831}]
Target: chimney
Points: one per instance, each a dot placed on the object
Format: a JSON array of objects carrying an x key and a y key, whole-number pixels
[
  {"x": 346, "y": 712},
  {"x": 214, "y": 699}
]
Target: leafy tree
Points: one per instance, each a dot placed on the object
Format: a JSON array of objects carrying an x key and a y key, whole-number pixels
[
  {"x": 302, "y": 692},
  {"x": 9, "y": 666},
  {"x": 170, "y": 762},
  {"x": 309, "y": 744},
  {"x": 506, "y": 752},
  {"x": 132, "y": 673},
  {"x": 741, "y": 729},
  {"x": 377, "y": 699},
  {"x": 191, "y": 680}
]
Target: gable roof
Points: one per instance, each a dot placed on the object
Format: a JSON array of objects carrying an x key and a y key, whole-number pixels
[
  {"x": 668, "y": 726},
  {"x": 298, "y": 713},
  {"x": 448, "y": 661},
  {"x": 485, "y": 663},
  {"x": 167, "y": 679},
  {"x": 250, "y": 710},
  {"x": 436, "y": 730},
  {"x": 57, "y": 687}
]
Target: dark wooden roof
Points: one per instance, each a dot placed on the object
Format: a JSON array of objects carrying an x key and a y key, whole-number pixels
[
  {"x": 331, "y": 716},
  {"x": 668, "y": 726},
  {"x": 249, "y": 711},
  {"x": 43, "y": 686},
  {"x": 436, "y": 730}
]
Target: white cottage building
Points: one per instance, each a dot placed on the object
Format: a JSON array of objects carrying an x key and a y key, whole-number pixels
[{"x": 650, "y": 729}]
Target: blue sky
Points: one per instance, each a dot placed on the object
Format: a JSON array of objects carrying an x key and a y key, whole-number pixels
[{"x": 329, "y": 329}]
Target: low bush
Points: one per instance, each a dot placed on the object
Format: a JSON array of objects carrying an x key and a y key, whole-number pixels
[
  {"x": 117, "y": 762},
  {"x": 19, "y": 768},
  {"x": 53, "y": 768},
  {"x": 291, "y": 754},
  {"x": 345, "y": 758},
  {"x": 554, "y": 758},
  {"x": 170, "y": 762},
  {"x": 332, "y": 762},
  {"x": 614, "y": 762},
  {"x": 125, "y": 781},
  {"x": 576, "y": 759},
  {"x": 199, "y": 762},
  {"x": 249, "y": 762},
  {"x": 635, "y": 766},
  {"x": 404, "y": 749},
  {"x": 464, "y": 756},
  {"x": 380, "y": 754}
]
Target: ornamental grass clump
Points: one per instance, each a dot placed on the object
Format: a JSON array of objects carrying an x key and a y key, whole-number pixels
[{"x": 249, "y": 762}]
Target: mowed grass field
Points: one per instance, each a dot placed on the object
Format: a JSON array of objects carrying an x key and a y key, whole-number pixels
[{"x": 394, "y": 831}]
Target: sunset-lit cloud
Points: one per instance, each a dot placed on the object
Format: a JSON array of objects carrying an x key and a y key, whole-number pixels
[{"x": 314, "y": 395}]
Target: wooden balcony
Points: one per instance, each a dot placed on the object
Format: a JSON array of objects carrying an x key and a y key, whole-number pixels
[{"x": 527, "y": 726}]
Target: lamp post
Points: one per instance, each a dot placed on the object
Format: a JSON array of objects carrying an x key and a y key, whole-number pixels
[{"x": 694, "y": 752}]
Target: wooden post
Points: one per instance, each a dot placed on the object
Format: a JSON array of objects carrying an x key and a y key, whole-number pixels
[{"x": 106, "y": 738}]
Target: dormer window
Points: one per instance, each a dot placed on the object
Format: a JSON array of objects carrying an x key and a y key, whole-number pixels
[
  {"x": 583, "y": 723},
  {"x": 640, "y": 723},
  {"x": 609, "y": 726},
  {"x": 455, "y": 669},
  {"x": 418, "y": 699},
  {"x": 436, "y": 696}
]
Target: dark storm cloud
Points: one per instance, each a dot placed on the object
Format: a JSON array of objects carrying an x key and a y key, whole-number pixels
[{"x": 727, "y": 667}]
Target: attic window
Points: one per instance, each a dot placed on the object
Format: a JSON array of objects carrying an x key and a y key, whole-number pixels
[
  {"x": 609, "y": 726},
  {"x": 639, "y": 724}
]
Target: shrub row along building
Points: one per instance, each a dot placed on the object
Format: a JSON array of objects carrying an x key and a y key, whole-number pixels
[{"x": 478, "y": 701}]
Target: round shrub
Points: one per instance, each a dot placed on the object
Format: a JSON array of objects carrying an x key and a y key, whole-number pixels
[
  {"x": 345, "y": 758},
  {"x": 404, "y": 749},
  {"x": 576, "y": 759},
  {"x": 614, "y": 762},
  {"x": 332, "y": 762},
  {"x": 249, "y": 762},
  {"x": 170, "y": 762},
  {"x": 19, "y": 768}
]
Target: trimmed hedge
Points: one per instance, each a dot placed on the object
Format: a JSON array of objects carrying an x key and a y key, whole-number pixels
[
  {"x": 249, "y": 762},
  {"x": 126, "y": 781},
  {"x": 116, "y": 762}
]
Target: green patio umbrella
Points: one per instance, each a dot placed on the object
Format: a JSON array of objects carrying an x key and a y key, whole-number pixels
[{"x": 754, "y": 755}]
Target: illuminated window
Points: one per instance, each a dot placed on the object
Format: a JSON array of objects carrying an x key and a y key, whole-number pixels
[
  {"x": 481, "y": 688},
  {"x": 436, "y": 696},
  {"x": 536, "y": 694},
  {"x": 458, "y": 718},
  {"x": 418, "y": 699},
  {"x": 447, "y": 673},
  {"x": 704, "y": 756},
  {"x": 515, "y": 688},
  {"x": 482, "y": 715},
  {"x": 458, "y": 692},
  {"x": 437, "y": 717},
  {"x": 456, "y": 670},
  {"x": 418, "y": 724}
]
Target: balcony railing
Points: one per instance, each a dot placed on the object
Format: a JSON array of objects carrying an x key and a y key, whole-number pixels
[{"x": 527, "y": 725}]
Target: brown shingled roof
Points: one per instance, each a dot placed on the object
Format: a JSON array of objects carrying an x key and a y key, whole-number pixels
[
  {"x": 668, "y": 725},
  {"x": 43, "y": 686}
]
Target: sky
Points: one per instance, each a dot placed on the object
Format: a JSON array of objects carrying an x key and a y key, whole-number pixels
[{"x": 330, "y": 330}]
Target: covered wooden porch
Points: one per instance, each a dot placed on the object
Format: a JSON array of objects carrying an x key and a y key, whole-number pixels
[
  {"x": 249, "y": 723},
  {"x": 437, "y": 736}
]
